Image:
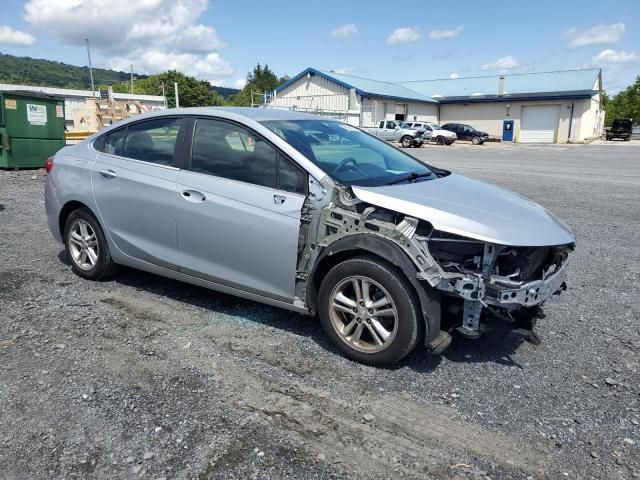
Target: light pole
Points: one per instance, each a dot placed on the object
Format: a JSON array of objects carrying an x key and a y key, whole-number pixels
[{"x": 93, "y": 88}]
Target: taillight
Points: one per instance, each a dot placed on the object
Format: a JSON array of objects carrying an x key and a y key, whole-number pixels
[{"x": 48, "y": 164}]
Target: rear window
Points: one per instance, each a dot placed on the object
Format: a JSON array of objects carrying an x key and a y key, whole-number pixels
[{"x": 622, "y": 123}]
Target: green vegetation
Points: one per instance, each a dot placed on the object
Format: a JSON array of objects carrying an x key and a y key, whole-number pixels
[
  {"x": 260, "y": 80},
  {"x": 34, "y": 71},
  {"x": 625, "y": 104},
  {"x": 193, "y": 92}
]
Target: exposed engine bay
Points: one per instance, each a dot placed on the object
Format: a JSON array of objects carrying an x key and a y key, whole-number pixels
[{"x": 473, "y": 277}]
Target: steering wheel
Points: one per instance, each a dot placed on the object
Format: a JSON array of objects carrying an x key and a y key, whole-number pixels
[{"x": 344, "y": 162}]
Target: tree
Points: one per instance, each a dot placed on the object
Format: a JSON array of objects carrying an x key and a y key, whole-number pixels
[
  {"x": 259, "y": 80},
  {"x": 625, "y": 104}
]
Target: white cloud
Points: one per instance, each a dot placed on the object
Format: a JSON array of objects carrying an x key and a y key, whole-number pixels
[
  {"x": 153, "y": 35},
  {"x": 441, "y": 34},
  {"x": 612, "y": 57},
  {"x": 344, "y": 32},
  {"x": 9, "y": 36},
  {"x": 209, "y": 67},
  {"x": 240, "y": 83},
  {"x": 595, "y": 36},
  {"x": 345, "y": 70},
  {"x": 454, "y": 75},
  {"x": 404, "y": 35},
  {"x": 504, "y": 63}
]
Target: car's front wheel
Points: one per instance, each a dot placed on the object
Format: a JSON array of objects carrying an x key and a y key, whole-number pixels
[
  {"x": 406, "y": 141},
  {"x": 369, "y": 311},
  {"x": 86, "y": 247},
  {"x": 476, "y": 140}
]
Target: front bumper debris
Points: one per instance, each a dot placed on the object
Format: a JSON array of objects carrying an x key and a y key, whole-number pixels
[{"x": 529, "y": 294}]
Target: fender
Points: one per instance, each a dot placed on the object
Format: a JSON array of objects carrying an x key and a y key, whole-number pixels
[{"x": 428, "y": 296}]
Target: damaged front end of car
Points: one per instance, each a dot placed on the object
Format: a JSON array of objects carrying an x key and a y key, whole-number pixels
[{"x": 460, "y": 280}]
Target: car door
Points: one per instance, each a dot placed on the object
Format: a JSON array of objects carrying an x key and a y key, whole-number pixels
[
  {"x": 238, "y": 210},
  {"x": 467, "y": 132},
  {"x": 390, "y": 131},
  {"x": 134, "y": 182},
  {"x": 428, "y": 132}
]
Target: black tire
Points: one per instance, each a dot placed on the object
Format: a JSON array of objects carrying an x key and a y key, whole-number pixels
[
  {"x": 410, "y": 325},
  {"x": 476, "y": 140},
  {"x": 406, "y": 141},
  {"x": 104, "y": 266},
  {"x": 440, "y": 140}
]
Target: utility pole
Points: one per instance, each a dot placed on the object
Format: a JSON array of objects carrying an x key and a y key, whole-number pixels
[
  {"x": 93, "y": 88},
  {"x": 132, "y": 79},
  {"x": 164, "y": 96},
  {"x": 175, "y": 86}
]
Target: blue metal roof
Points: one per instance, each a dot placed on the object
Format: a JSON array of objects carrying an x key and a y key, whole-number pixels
[
  {"x": 364, "y": 86},
  {"x": 569, "y": 82}
]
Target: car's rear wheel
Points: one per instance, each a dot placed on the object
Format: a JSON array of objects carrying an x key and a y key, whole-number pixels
[
  {"x": 476, "y": 140},
  {"x": 406, "y": 141},
  {"x": 86, "y": 247},
  {"x": 369, "y": 311}
]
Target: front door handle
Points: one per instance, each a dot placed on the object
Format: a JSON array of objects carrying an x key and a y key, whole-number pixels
[
  {"x": 193, "y": 196},
  {"x": 279, "y": 199},
  {"x": 108, "y": 173}
]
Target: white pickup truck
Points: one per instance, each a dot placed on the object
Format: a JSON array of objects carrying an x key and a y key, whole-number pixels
[
  {"x": 434, "y": 133},
  {"x": 397, "y": 131}
]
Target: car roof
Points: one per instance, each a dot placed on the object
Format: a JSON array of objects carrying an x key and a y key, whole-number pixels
[{"x": 255, "y": 114}]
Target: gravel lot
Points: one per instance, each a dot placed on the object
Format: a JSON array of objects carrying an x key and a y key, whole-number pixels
[{"x": 143, "y": 377}]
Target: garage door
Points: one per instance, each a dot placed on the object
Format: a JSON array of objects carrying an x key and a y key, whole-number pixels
[{"x": 539, "y": 124}]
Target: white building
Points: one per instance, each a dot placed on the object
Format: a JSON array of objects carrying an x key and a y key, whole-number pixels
[
  {"x": 549, "y": 107},
  {"x": 76, "y": 100},
  {"x": 358, "y": 101}
]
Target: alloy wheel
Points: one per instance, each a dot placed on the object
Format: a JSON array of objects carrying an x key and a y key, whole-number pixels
[
  {"x": 363, "y": 314},
  {"x": 83, "y": 244}
]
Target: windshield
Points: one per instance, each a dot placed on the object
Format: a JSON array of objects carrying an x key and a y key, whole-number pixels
[{"x": 349, "y": 155}]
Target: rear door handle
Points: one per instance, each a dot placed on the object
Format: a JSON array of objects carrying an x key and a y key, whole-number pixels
[
  {"x": 108, "y": 173},
  {"x": 193, "y": 196},
  {"x": 279, "y": 199}
]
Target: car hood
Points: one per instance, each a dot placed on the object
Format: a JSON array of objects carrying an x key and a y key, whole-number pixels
[
  {"x": 474, "y": 209},
  {"x": 444, "y": 133}
]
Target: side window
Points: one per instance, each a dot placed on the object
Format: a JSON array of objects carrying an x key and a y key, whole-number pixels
[
  {"x": 230, "y": 151},
  {"x": 391, "y": 125},
  {"x": 290, "y": 177},
  {"x": 114, "y": 141},
  {"x": 381, "y": 125},
  {"x": 152, "y": 141}
]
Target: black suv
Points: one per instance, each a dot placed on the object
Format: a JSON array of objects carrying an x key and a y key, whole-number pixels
[
  {"x": 466, "y": 132},
  {"x": 620, "y": 128}
]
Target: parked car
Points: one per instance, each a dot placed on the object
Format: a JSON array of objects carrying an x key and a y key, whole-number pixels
[
  {"x": 434, "y": 133},
  {"x": 467, "y": 132},
  {"x": 620, "y": 128},
  {"x": 308, "y": 214},
  {"x": 397, "y": 131}
]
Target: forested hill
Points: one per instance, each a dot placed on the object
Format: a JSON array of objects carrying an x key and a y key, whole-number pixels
[{"x": 35, "y": 71}]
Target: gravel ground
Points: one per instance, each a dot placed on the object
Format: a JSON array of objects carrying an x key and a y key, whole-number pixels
[{"x": 144, "y": 377}]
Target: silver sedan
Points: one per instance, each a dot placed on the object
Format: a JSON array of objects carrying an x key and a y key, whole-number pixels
[{"x": 309, "y": 214}]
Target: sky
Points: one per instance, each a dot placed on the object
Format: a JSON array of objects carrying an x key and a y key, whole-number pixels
[{"x": 220, "y": 41}]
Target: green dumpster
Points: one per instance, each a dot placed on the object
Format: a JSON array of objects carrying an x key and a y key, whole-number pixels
[{"x": 31, "y": 129}]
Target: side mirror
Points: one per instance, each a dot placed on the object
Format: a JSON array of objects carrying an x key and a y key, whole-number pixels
[{"x": 396, "y": 127}]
